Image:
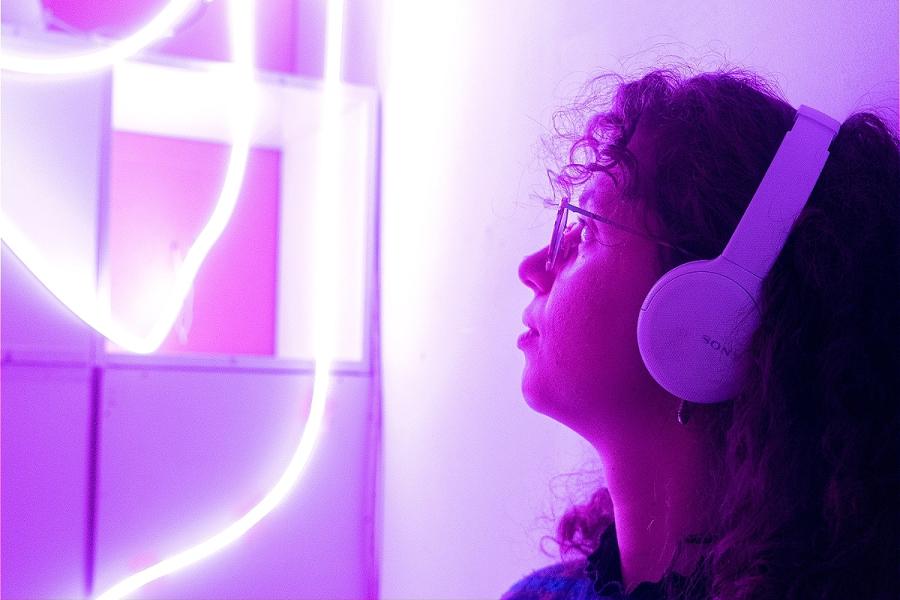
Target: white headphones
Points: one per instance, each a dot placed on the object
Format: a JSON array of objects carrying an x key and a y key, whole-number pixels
[{"x": 697, "y": 320}]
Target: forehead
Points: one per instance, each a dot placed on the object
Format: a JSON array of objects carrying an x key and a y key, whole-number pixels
[{"x": 606, "y": 198}]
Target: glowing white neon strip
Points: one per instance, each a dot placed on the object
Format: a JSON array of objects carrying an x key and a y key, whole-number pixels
[
  {"x": 162, "y": 25},
  {"x": 93, "y": 311},
  {"x": 334, "y": 43},
  {"x": 326, "y": 244}
]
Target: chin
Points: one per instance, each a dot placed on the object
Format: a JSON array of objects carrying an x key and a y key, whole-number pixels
[
  {"x": 535, "y": 397},
  {"x": 529, "y": 393}
]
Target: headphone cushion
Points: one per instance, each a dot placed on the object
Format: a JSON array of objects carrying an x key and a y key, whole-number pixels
[{"x": 693, "y": 330}]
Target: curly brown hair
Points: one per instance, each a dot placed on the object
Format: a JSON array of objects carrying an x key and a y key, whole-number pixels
[{"x": 810, "y": 449}]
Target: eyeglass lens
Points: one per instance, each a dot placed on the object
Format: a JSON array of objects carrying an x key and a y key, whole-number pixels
[{"x": 556, "y": 239}]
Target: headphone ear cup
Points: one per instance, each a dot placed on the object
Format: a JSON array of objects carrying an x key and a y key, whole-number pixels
[{"x": 694, "y": 328}]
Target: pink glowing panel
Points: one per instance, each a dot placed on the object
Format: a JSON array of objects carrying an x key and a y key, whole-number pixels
[
  {"x": 203, "y": 34},
  {"x": 162, "y": 191}
]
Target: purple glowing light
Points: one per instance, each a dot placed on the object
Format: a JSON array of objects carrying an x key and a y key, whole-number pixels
[{"x": 158, "y": 27}]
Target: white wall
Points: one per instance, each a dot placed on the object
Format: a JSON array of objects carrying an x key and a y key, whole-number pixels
[{"x": 468, "y": 88}]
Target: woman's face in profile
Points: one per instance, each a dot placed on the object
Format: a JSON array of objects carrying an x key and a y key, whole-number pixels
[{"x": 583, "y": 367}]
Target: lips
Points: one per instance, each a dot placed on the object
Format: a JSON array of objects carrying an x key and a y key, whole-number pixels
[{"x": 526, "y": 337}]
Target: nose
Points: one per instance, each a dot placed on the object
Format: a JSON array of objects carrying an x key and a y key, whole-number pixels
[{"x": 533, "y": 272}]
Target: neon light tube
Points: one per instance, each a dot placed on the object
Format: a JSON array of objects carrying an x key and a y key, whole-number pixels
[
  {"x": 92, "y": 310},
  {"x": 162, "y": 25},
  {"x": 326, "y": 244}
]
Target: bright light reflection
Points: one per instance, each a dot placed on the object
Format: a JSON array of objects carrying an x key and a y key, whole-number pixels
[
  {"x": 162, "y": 25},
  {"x": 326, "y": 244}
]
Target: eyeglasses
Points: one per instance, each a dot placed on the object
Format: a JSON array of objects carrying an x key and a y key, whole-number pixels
[{"x": 559, "y": 230}]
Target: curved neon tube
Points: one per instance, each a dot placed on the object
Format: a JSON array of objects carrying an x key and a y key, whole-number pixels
[
  {"x": 157, "y": 28},
  {"x": 90, "y": 310}
]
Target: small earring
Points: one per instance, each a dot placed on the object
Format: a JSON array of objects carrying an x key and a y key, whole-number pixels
[{"x": 684, "y": 412}]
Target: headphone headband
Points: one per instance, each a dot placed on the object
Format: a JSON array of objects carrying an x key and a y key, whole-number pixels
[{"x": 783, "y": 192}]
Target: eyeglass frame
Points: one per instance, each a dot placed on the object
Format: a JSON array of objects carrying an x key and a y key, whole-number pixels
[{"x": 561, "y": 223}]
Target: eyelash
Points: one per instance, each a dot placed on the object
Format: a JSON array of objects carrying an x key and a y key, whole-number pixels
[{"x": 587, "y": 235}]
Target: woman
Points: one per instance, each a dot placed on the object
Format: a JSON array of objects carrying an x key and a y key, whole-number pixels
[{"x": 792, "y": 488}]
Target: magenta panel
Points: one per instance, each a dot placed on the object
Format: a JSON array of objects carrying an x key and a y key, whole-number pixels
[{"x": 162, "y": 191}]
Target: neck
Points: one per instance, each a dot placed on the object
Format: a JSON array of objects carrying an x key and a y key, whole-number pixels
[{"x": 659, "y": 486}]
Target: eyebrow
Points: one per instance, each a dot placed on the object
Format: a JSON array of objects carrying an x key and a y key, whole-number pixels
[{"x": 584, "y": 199}]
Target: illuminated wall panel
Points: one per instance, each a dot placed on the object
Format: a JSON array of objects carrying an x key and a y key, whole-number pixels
[
  {"x": 162, "y": 190},
  {"x": 185, "y": 452},
  {"x": 181, "y": 101},
  {"x": 45, "y": 459},
  {"x": 53, "y": 147}
]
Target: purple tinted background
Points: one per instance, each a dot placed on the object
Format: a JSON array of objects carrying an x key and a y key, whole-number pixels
[{"x": 468, "y": 464}]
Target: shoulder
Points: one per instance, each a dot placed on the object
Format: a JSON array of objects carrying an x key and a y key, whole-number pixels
[{"x": 562, "y": 581}]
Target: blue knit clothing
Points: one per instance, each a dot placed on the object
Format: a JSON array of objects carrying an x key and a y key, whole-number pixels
[{"x": 598, "y": 577}]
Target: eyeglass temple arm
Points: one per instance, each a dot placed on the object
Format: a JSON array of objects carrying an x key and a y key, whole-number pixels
[{"x": 588, "y": 213}]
